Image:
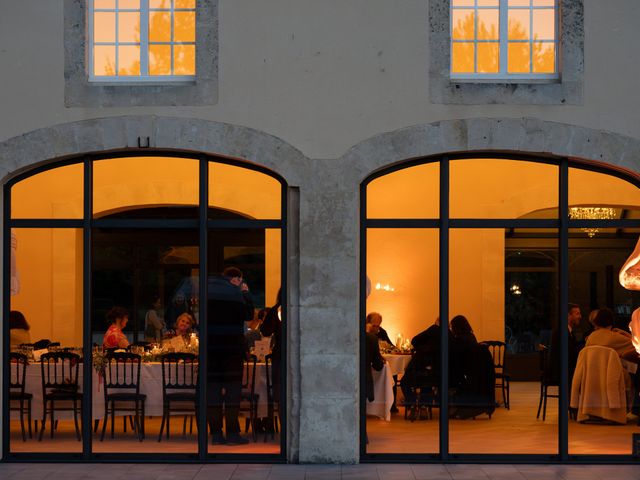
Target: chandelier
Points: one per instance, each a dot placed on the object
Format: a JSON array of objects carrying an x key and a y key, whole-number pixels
[{"x": 592, "y": 213}]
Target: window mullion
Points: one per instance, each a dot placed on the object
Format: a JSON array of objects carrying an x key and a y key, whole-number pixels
[
  {"x": 117, "y": 38},
  {"x": 144, "y": 37},
  {"x": 504, "y": 35},
  {"x": 173, "y": 42}
]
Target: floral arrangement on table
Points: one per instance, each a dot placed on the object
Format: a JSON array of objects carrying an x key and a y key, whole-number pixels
[{"x": 99, "y": 361}]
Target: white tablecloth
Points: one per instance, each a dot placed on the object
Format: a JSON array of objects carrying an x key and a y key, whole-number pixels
[
  {"x": 397, "y": 363},
  {"x": 382, "y": 394},
  {"x": 150, "y": 385}
]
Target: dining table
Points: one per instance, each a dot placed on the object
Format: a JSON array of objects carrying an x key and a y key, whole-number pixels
[
  {"x": 150, "y": 385},
  {"x": 383, "y": 383}
]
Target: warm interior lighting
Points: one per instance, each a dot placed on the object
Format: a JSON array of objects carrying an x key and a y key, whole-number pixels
[
  {"x": 386, "y": 287},
  {"x": 515, "y": 289},
  {"x": 592, "y": 213}
]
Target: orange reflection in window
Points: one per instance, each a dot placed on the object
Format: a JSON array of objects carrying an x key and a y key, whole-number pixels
[
  {"x": 463, "y": 25},
  {"x": 104, "y": 27},
  {"x": 544, "y": 57},
  {"x": 104, "y": 60},
  {"x": 544, "y": 27},
  {"x": 184, "y": 61},
  {"x": 159, "y": 26},
  {"x": 248, "y": 192},
  {"x": 160, "y": 60},
  {"x": 143, "y": 181},
  {"x": 129, "y": 60},
  {"x": 129, "y": 27},
  {"x": 488, "y": 57},
  {"x": 55, "y": 193},
  {"x": 462, "y": 60},
  {"x": 185, "y": 4},
  {"x": 184, "y": 28},
  {"x": 518, "y": 58},
  {"x": 488, "y": 24},
  {"x": 519, "y": 25}
]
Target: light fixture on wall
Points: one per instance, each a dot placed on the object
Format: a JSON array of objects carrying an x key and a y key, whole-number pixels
[
  {"x": 515, "y": 289},
  {"x": 386, "y": 287},
  {"x": 592, "y": 213}
]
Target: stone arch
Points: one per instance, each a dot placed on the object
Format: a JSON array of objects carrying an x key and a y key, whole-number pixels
[
  {"x": 528, "y": 135},
  {"x": 159, "y": 132}
]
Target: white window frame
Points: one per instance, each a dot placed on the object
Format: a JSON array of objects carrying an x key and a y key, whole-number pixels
[
  {"x": 502, "y": 75},
  {"x": 144, "y": 77}
]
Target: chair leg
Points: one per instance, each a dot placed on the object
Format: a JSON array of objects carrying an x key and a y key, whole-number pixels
[
  {"x": 540, "y": 401},
  {"x": 51, "y": 419},
  {"x": 75, "y": 419},
  {"x": 165, "y": 413},
  {"x": 104, "y": 422},
  {"x": 24, "y": 434},
  {"x": 29, "y": 416},
  {"x": 113, "y": 419},
  {"x": 44, "y": 419},
  {"x": 508, "y": 404},
  {"x": 544, "y": 405}
]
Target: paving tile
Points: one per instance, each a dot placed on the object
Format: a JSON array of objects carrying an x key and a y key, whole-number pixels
[{"x": 217, "y": 472}]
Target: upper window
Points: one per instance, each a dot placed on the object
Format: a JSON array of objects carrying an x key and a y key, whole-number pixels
[
  {"x": 504, "y": 40},
  {"x": 142, "y": 40}
]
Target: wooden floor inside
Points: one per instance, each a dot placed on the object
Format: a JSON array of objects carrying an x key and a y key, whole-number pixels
[
  {"x": 65, "y": 441},
  {"x": 514, "y": 431}
]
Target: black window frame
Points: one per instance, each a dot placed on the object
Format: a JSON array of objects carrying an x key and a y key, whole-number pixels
[
  {"x": 202, "y": 224},
  {"x": 444, "y": 223}
]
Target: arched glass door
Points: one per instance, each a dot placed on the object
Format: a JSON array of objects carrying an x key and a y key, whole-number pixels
[
  {"x": 115, "y": 261},
  {"x": 516, "y": 253}
]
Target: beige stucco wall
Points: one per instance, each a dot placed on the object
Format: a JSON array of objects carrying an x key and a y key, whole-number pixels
[
  {"x": 318, "y": 84},
  {"x": 320, "y": 75}
]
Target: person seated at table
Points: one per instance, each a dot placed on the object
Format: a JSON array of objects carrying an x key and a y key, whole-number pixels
[
  {"x": 180, "y": 337},
  {"x": 471, "y": 372},
  {"x": 607, "y": 336},
  {"x": 462, "y": 341},
  {"x": 113, "y": 337},
  {"x": 375, "y": 319},
  {"x": 423, "y": 371},
  {"x": 18, "y": 329},
  {"x": 252, "y": 328},
  {"x": 373, "y": 359}
]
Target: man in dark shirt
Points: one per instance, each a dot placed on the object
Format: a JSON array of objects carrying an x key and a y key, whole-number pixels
[
  {"x": 553, "y": 369},
  {"x": 226, "y": 351}
]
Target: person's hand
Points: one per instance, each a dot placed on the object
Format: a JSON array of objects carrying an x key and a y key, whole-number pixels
[{"x": 244, "y": 287}]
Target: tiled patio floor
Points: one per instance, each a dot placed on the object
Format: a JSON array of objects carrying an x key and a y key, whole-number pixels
[{"x": 23, "y": 471}]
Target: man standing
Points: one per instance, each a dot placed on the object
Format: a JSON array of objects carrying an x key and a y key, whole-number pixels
[
  {"x": 573, "y": 320},
  {"x": 227, "y": 312}
]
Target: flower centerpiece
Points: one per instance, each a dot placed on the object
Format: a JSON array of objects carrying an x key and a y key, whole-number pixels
[{"x": 99, "y": 361}]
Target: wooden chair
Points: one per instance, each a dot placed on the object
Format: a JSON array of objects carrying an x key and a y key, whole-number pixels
[
  {"x": 59, "y": 386},
  {"x": 546, "y": 381},
  {"x": 273, "y": 407},
  {"x": 122, "y": 391},
  {"x": 17, "y": 394},
  {"x": 497, "y": 349},
  {"x": 248, "y": 395},
  {"x": 179, "y": 386}
]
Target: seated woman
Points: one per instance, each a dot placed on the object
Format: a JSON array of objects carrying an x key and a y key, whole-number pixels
[
  {"x": 18, "y": 329},
  {"x": 113, "y": 337},
  {"x": 606, "y": 336},
  {"x": 181, "y": 338}
]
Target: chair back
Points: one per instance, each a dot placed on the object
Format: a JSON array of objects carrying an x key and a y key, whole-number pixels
[
  {"x": 179, "y": 371},
  {"x": 249, "y": 374},
  {"x": 122, "y": 371},
  {"x": 59, "y": 371},
  {"x": 18, "y": 371},
  {"x": 497, "y": 349},
  {"x": 269, "y": 373}
]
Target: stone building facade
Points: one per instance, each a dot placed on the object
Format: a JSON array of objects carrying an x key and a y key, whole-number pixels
[{"x": 324, "y": 94}]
